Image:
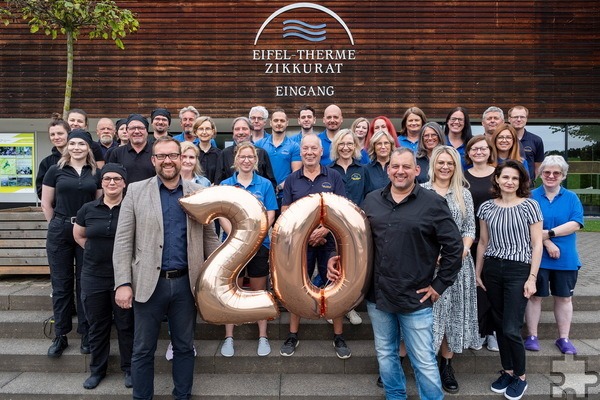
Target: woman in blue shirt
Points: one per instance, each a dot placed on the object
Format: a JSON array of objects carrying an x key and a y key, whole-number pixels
[
  {"x": 257, "y": 269},
  {"x": 563, "y": 216}
]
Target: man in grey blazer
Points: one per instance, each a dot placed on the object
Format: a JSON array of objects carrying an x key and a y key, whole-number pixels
[{"x": 157, "y": 259}]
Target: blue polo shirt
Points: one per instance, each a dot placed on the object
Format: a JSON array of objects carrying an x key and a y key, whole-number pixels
[
  {"x": 564, "y": 208},
  {"x": 326, "y": 143},
  {"x": 404, "y": 142},
  {"x": 181, "y": 138},
  {"x": 461, "y": 151},
  {"x": 262, "y": 189},
  {"x": 377, "y": 176},
  {"x": 281, "y": 156},
  {"x": 174, "y": 254},
  {"x": 297, "y": 185},
  {"x": 297, "y": 138},
  {"x": 356, "y": 182}
]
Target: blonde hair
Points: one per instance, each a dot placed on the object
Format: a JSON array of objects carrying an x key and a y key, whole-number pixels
[
  {"x": 458, "y": 181},
  {"x": 89, "y": 159},
  {"x": 376, "y": 137},
  {"x": 243, "y": 146},
  {"x": 185, "y": 146},
  {"x": 335, "y": 142}
]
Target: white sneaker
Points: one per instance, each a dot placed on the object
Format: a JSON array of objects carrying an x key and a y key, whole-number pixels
[
  {"x": 479, "y": 345},
  {"x": 169, "y": 353},
  {"x": 227, "y": 347},
  {"x": 330, "y": 321},
  {"x": 492, "y": 342},
  {"x": 354, "y": 318},
  {"x": 264, "y": 348}
]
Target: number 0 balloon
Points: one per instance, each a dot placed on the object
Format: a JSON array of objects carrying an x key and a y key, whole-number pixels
[
  {"x": 218, "y": 297},
  {"x": 288, "y": 256}
]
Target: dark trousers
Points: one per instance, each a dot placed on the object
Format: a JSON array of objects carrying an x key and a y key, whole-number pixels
[
  {"x": 504, "y": 281},
  {"x": 101, "y": 310},
  {"x": 173, "y": 298},
  {"x": 62, "y": 251},
  {"x": 320, "y": 255}
]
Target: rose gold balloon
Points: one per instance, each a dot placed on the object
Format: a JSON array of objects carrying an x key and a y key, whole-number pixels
[
  {"x": 218, "y": 297},
  {"x": 288, "y": 256}
]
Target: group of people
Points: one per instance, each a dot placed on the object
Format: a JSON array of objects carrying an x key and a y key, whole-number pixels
[{"x": 463, "y": 248}]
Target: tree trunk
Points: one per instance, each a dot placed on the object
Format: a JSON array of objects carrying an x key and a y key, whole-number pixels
[{"x": 69, "y": 80}]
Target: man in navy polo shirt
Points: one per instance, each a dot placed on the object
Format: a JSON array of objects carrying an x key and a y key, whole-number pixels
[
  {"x": 283, "y": 152},
  {"x": 312, "y": 178}
]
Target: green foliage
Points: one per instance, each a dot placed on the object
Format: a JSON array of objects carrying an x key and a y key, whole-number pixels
[
  {"x": 102, "y": 19},
  {"x": 591, "y": 225}
]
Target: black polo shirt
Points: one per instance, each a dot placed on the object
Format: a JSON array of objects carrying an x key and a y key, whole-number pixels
[
  {"x": 71, "y": 190},
  {"x": 138, "y": 165},
  {"x": 408, "y": 237},
  {"x": 45, "y": 164},
  {"x": 100, "y": 223},
  {"x": 209, "y": 161}
]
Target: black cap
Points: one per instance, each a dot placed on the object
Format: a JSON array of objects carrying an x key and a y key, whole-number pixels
[
  {"x": 120, "y": 122},
  {"x": 137, "y": 117},
  {"x": 162, "y": 112},
  {"x": 114, "y": 167},
  {"x": 81, "y": 134}
]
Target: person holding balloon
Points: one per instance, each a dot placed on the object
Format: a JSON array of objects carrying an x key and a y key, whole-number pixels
[{"x": 246, "y": 177}]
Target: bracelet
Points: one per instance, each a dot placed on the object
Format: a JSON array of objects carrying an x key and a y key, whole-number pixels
[{"x": 534, "y": 275}]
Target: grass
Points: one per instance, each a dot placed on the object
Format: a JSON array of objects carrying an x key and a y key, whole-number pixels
[{"x": 591, "y": 225}]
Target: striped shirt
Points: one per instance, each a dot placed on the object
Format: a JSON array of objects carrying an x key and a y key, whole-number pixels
[{"x": 508, "y": 229}]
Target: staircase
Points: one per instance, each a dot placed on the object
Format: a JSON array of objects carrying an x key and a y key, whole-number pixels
[{"x": 313, "y": 372}]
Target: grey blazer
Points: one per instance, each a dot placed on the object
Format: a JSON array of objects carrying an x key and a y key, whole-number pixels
[{"x": 138, "y": 247}]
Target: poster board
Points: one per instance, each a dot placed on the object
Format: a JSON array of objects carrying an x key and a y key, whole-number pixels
[{"x": 17, "y": 168}]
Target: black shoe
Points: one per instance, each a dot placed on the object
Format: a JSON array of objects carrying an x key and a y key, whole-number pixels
[
  {"x": 449, "y": 382},
  {"x": 93, "y": 381},
  {"x": 85, "y": 344},
  {"x": 59, "y": 344},
  {"x": 128, "y": 380},
  {"x": 379, "y": 382}
]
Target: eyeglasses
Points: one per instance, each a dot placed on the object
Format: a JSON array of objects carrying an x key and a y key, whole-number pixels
[
  {"x": 116, "y": 179},
  {"x": 449, "y": 164},
  {"x": 244, "y": 158},
  {"x": 136, "y": 128},
  {"x": 479, "y": 149},
  {"x": 504, "y": 138},
  {"x": 547, "y": 174},
  {"x": 518, "y": 117},
  {"x": 430, "y": 136},
  {"x": 349, "y": 145},
  {"x": 172, "y": 156},
  {"x": 454, "y": 119},
  {"x": 202, "y": 130},
  {"x": 257, "y": 119}
]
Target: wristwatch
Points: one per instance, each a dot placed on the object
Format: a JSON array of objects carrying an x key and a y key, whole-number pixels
[{"x": 551, "y": 233}]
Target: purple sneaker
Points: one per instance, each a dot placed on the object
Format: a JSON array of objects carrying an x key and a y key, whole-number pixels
[
  {"x": 565, "y": 346},
  {"x": 532, "y": 344}
]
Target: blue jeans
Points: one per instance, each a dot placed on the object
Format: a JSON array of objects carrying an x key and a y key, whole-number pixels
[
  {"x": 172, "y": 297},
  {"x": 417, "y": 332},
  {"x": 504, "y": 281}
]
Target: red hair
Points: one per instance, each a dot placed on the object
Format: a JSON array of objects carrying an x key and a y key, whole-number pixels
[{"x": 390, "y": 126}]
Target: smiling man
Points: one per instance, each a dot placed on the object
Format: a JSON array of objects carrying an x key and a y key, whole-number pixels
[
  {"x": 411, "y": 227},
  {"x": 187, "y": 117},
  {"x": 135, "y": 156},
  {"x": 157, "y": 259},
  {"x": 332, "y": 118}
]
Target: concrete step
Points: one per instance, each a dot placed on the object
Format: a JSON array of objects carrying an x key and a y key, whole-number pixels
[
  {"x": 30, "y": 324},
  {"x": 35, "y": 295},
  {"x": 269, "y": 386},
  {"x": 316, "y": 356}
]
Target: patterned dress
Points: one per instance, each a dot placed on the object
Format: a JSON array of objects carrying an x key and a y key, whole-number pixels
[{"x": 455, "y": 313}]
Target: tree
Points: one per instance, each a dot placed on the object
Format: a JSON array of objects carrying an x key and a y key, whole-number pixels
[{"x": 102, "y": 19}]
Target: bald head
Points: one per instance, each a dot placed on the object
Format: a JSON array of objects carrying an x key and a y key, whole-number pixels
[{"x": 332, "y": 118}]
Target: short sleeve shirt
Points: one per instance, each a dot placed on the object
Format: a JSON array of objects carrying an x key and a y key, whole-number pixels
[
  {"x": 297, "y": 185},
  {"x": 71, "y": 190}
]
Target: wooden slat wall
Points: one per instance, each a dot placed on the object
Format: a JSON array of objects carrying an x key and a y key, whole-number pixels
[{"x": 435, "y": 54}]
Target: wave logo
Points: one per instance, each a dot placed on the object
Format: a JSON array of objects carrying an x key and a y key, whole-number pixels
[
  {"x": 296, "y": 28},
  {"x": 304, "y": 31}
]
